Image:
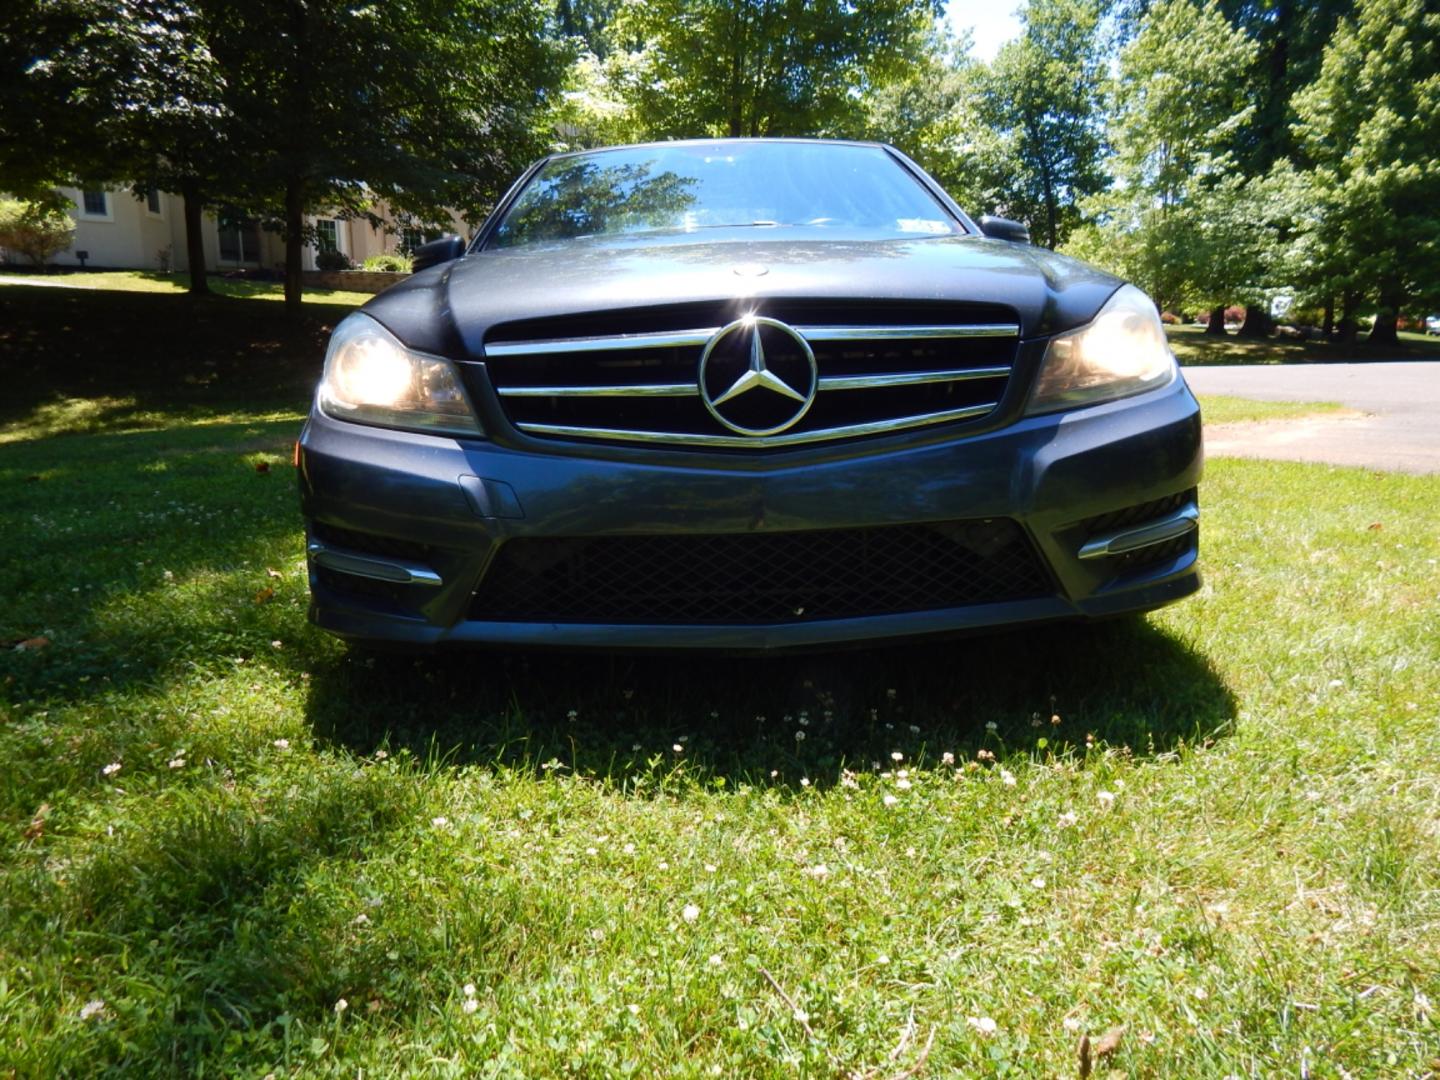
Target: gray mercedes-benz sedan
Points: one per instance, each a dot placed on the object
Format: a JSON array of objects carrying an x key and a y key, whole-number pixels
[{"x": 744, "y": 394}]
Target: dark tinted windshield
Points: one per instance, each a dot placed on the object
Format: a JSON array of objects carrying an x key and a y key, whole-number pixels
[{"x": 685, "y": 188}]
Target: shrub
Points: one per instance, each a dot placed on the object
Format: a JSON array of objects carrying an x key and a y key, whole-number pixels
[
  {"x": 35, "y": 231},
  {"x": 332, "y": 260},
  {"x": 395, "y": 264}
]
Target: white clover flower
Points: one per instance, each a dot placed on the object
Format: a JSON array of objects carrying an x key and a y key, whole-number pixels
[
  {"x": 903, "y": 784},
  {"x": 889, "y": 800},
  {"x": 947, "y": 758},
  {"x": 440, "y": 822},
  {"x": 572, "y": 715},
  {"x": 92, "y": 1009},
  {"x": 991, "y": 726},
  {"x": 1068, "y": 819},
  {"x": 677, "y": 748},
  {"x": 914, "y": 729},
  {"x": 628, "y": 849},
  {"x": 469, "y": 1006},
  {"x": 1007, "y": 778},
  {"x": 112, "y": 768},
  {"x": 633, "y": 1009},
  {"x": 715, "y": 960},
  {"x": 281, "y": 744},
  {"x": 340, "y": 1006},
  {"x": 176, "y": 763},
  {"x": 890, "y": 694},
  {"x": 896, "y": 755},
  {"x": 1107, "y": 798},
  {"x": 819, "y": 870},
  {"x": 277, "y": 644},
  {"x": 710, "y": 868},
  {"x": 1071, "y": 1023},
  {"x": 361, "y": 919},
  {"x": 983, "y": 1024},
  {"x": 804, "y": 781},
  {"x": 690, "y": 913},
  {"x": 799, "y": 736}
]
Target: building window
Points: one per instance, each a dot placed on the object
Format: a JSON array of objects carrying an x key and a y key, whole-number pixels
[
  {"x": 152, "y": 200},
  {"x": 329, "y": 234},
  {"x": 239, "y": 240},
  {"x": 95, "y": 203},
  {"x": 410, "y": 239}
]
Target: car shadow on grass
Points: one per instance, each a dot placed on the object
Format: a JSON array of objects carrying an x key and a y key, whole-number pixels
[{"x": 1127, "y": 684}]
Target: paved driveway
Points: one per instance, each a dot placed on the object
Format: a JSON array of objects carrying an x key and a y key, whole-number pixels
[{"x": 1399, "y": 428}]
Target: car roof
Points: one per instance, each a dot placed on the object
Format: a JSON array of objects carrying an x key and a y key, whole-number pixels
[{"x": 718, "y": 141}]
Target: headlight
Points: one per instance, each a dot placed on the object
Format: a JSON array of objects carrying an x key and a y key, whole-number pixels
[
  {"x": 1121, "y": 351},
  {"x": 373, "y": 379}
]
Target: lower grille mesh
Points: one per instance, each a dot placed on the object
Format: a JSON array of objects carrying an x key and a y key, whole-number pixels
[{"x": 750, "y": 578}]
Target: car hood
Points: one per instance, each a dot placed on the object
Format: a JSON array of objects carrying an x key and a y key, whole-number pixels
[{"x": 449, "y": 309}]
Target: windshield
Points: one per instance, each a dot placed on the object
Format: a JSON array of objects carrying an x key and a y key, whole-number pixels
[{"x": 684, "y": 188}]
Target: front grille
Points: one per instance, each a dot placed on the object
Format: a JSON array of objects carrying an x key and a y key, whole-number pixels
[
  {"x": 634, "y": 376},
  {"x": 761, "y": 578}
]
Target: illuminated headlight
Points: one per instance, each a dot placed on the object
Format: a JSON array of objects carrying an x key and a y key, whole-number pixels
[
  {"x": 373, "y": 379},
  {"x": 1121, "y": 351}
]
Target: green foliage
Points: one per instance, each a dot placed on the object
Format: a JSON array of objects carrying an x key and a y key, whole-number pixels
[
  {"x": 1183, "y": 224},
  {"x": 1370, "y": 127},
  {"x": 36, "y": 230},
  {"x": 331, "y": 259},
  {"x": 396, "y": 264},
  {"x": 1040, "y": 127},
  {"x": 763, "y": 67}
]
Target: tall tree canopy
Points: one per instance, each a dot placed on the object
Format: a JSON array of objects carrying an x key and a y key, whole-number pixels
[
  {"x": 764, "y": 67},
  {"x": 1040, "y": 134},
  {"x": 1370, "y": 124}
]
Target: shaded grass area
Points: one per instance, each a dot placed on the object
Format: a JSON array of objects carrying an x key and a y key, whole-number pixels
[
  {"x": 1215, "y": 825},
  {"x": 97, "y": 361},
  {"x": 177, "y": 284},
  {"x": 1224, "y": 409},
  {"x": 1191, "y": 345}
]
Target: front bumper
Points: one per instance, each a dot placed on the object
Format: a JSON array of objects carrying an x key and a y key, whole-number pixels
[{"x": 420, "y": 518}]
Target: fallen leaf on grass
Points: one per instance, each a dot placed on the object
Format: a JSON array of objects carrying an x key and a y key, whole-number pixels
[
  {"x": 31, "y": 644},
  {"x": 262, "y": 466},
  {"x": 1102, "y": 1047},
  {"x": 265, "y": 595},
  {"x": 272, "y": 572},
  {"x": 36, "y": 828},
  {"x": 1375, "y": 526}
]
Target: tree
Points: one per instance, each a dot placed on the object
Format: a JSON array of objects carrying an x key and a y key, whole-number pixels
[
  {"x": 426, "y": 104},
  {"x": 36, "y": 230},
  {"x": 1370, "y": 126},
  {"x": 1041, "y": 132},
  {"x": 1190, "y": 223},
  {"x": 764, "y": 67}
]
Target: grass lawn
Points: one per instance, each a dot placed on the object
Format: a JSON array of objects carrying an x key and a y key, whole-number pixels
[
  {"x": 1192, "y": 346},
  {"x": 237, "y": 848},
  {"x": 1223, "y": 409},
  {"x": 176, "y": 284}
]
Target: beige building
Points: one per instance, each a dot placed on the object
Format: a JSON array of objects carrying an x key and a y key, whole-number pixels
[{"x": 115, "y": 229}]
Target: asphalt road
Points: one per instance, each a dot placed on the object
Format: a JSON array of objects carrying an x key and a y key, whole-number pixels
[{"x": 1395, "y": 422}]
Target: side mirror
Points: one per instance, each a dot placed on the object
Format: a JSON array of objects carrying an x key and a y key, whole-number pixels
[
  {"x": 436, "y": 252},
  {"x": 1002, "y": 229}
]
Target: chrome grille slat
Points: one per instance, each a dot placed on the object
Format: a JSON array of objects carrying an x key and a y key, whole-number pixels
[
  {"x": 827, "y": 382},
  {"x": 879, "y": 367},
  {"x": 671, "y": 438}
]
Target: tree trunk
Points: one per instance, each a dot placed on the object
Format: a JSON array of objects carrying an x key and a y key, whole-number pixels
[
  {"x": 1216, "y": 325},
  {"x": 294, "y": 245},
  {"x": 1257, "y": 322},
  {"x": 1328, "y": 328},
  {"x": 1345, "y": 332},
  {"x": 1385, "y": 330},
  {"x": 194, "y": 239}
]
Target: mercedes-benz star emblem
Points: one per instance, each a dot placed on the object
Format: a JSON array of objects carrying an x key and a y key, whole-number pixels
[{"x": 762, "y": 393}]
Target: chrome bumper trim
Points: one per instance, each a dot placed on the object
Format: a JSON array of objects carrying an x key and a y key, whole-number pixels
[
  {"x": 742, "y": 442},
  {"x": 1169, "y": 527},
  {"x": 397, "y": 571},
  {"x": 671, "y": 339},
  {"x": 827, "y": 382}
]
